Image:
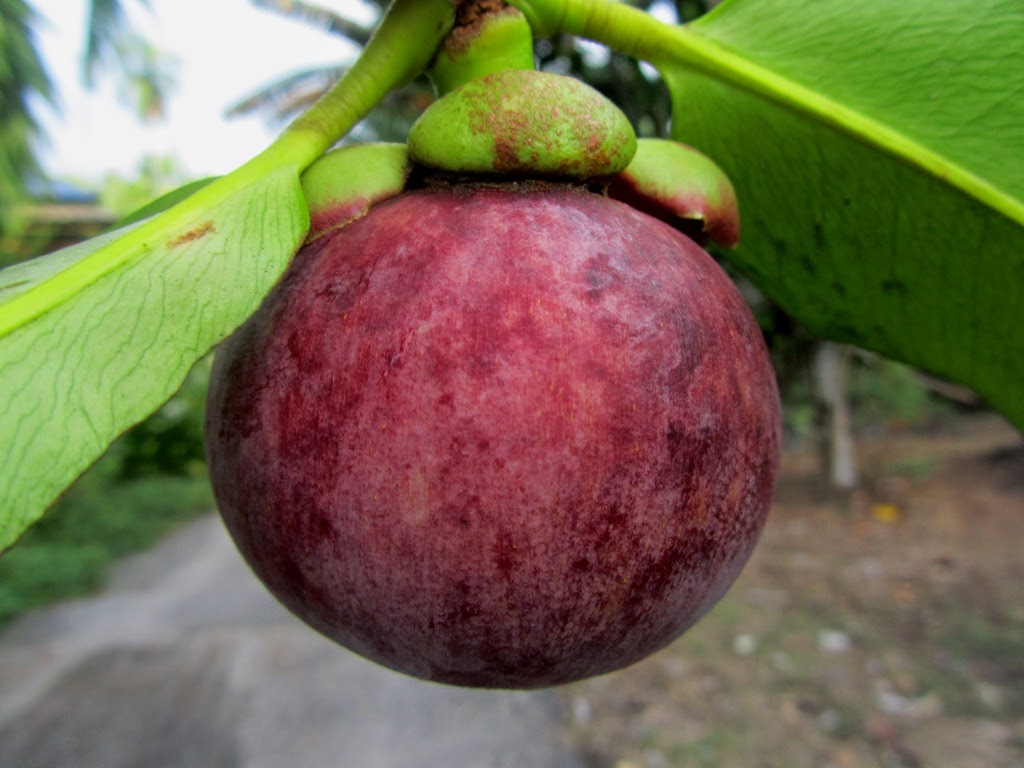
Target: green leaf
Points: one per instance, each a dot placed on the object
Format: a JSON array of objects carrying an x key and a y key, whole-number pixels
[
  {"x": 80, "y": 364},
  {"x": 877, "y": 151},
  {"x": 25, "y": 275},
  {"x": 96, "y": 337},
  {"x": 166, "y": 200}
]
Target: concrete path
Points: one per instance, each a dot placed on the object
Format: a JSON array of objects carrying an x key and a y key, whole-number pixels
[{"x": 186, "y": 661}]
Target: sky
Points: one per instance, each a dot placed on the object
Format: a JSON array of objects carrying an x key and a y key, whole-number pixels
[{"x": 226, "y": 49}]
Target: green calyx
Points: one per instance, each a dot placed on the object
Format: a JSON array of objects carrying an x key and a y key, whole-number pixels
[
  {"x": 499, "y": 117},
  {"x": 526, "y": 123},
  {"x": 342, "y": 185},
  {"x": 676, "y": 183},
  {"x": 483, "y": 40}
]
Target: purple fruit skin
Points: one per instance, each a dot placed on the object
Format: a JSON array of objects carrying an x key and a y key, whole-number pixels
[{"x": 492, "y": 437}]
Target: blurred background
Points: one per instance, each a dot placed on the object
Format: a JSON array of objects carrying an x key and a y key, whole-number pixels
[{"x": 880, "y": 622}]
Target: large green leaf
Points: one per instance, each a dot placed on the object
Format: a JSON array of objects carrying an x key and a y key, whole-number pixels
[
  {"x": 877, "y": 149},
  {"x": 96, "y": 337},
  {"x": 102, "y": 358}
]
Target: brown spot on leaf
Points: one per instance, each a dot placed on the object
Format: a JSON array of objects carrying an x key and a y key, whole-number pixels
[{"x": 195, "y": 233}]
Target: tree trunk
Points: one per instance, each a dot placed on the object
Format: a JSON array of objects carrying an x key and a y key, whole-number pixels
[{"x": 831, "y": 369}]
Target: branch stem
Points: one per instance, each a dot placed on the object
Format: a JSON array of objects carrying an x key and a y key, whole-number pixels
[{"x": 401, "y": 48}]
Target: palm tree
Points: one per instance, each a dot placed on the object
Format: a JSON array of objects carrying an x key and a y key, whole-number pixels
[
  {"x": 111, "y": 45},
  {"x": 21, "y": 74},
  {"x": 287, "y": 96}
]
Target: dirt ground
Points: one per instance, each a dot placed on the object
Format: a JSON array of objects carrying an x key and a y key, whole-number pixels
[{"x": 879, "y": 628}]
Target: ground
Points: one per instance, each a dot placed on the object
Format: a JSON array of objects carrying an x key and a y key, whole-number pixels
[{"x": 882, "y": 628}]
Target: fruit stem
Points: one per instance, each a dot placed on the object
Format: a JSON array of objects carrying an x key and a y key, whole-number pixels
[
  {"x": 401, "y": 49},
  {"x": 488, "y": 36}
]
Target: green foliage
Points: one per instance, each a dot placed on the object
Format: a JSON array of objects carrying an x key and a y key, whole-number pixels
[
  {"x": 21, "y": 74},
  {"x": 98, "y": 335},
  {"x": 170, "y": 442},
  {"x": 879, "y": 392},
  {"x": 155, "y": 176},
  {"x": 883, "y": 391},
  {"x": 94, "y": 338},
  {"x": 875, "y": 149}
]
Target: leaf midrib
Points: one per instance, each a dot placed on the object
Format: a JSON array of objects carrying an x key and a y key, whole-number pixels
[
  {"x": 57, "y": 288},
  {"x": 714, "y": 60}
]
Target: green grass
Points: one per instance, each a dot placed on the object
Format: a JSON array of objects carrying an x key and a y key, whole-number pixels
[
  {"x": 986, "y": 647},
  {"x": 914, "y": 467},
  {"x": 101, "y": 518}
]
